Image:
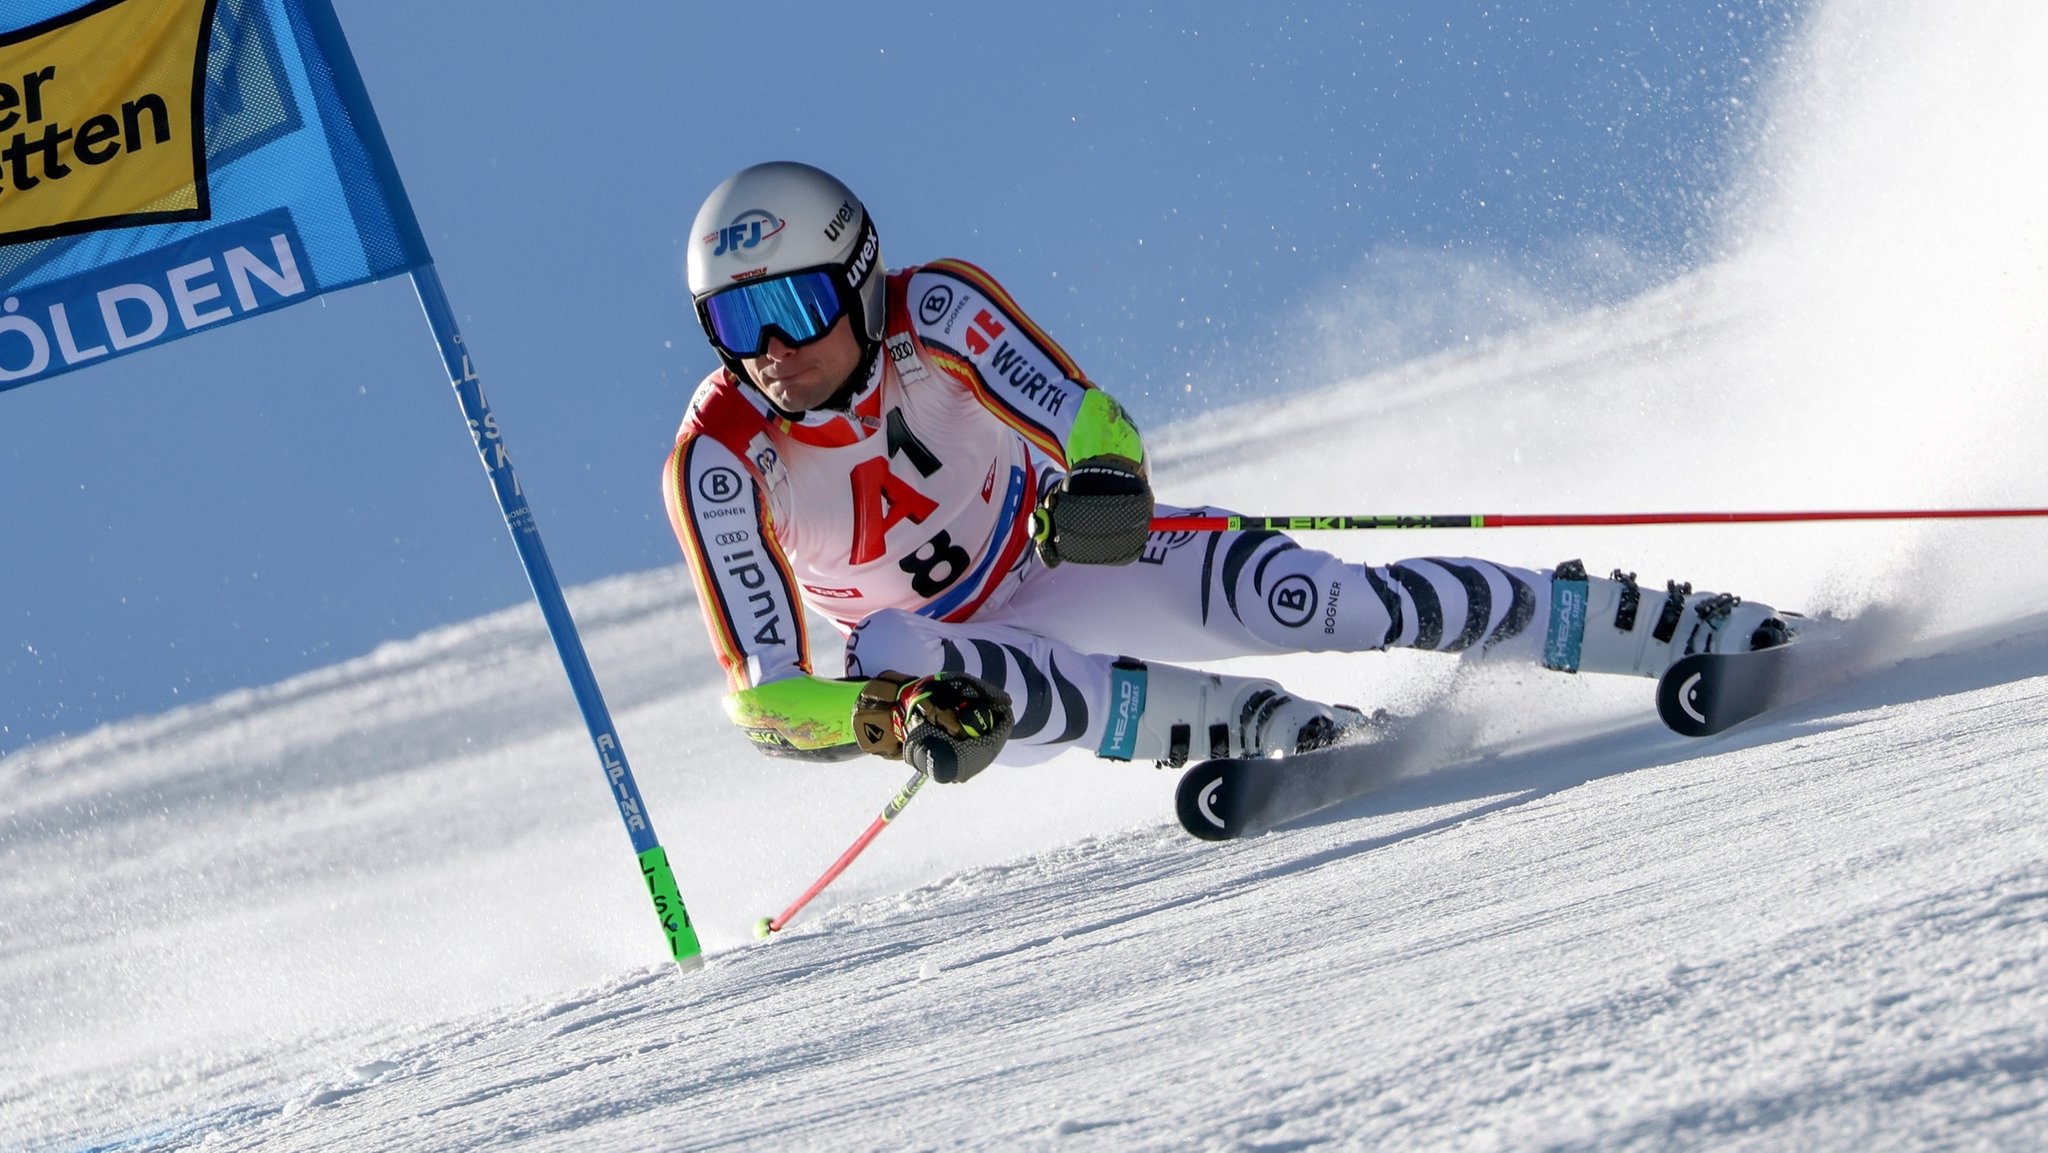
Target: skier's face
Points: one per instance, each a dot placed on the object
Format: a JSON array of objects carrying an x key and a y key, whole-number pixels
[{"x": 801, "y": 379}]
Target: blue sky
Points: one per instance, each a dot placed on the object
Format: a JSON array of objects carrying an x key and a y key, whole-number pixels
[{"x": 1172, "y": 191}]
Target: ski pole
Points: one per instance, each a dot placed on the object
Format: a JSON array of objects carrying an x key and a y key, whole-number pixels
[
  {"x": 767, "y": 925},
  {"x": 1513, "y": 520}
]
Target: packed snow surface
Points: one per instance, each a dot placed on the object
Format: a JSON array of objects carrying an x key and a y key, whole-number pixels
[{"x": 389, "y": 904}]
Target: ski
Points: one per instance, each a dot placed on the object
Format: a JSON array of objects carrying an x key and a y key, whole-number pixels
[
  {"x": 1705, "y": 693},
  {"x": 1231, "y": 797}
]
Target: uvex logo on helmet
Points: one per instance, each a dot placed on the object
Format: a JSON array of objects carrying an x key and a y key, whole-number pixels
[
  {"x": 748, "y": 230},
  {"x": 857, "y": 268},
  {"x": 839, "y": 220}
]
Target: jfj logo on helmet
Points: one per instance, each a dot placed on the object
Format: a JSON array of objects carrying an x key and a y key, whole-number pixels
[{"x": 748, "y": 230}]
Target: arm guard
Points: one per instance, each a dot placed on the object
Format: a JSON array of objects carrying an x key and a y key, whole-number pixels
[
  {"x": 808, "y": 718},
  {"x": 1102, "y": 428}
]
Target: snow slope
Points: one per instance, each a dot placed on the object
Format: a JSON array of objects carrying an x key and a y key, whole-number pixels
[
  {"x": 388, "y": 905},
  {"x": 1826, "y": 930}
]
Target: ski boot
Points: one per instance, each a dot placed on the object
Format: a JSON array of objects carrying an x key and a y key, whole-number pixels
[
  {"x": 1616, "y": 629},
  {"x": 1191, "y": 714}
]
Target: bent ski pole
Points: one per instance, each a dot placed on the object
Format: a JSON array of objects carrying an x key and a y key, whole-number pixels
[
  {"x": 1515, "y": 520},
  {"x": 767, "y": 925}
]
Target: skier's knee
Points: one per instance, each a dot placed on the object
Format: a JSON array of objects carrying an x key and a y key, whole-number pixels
[
  {"x": 891, "y": 639},
  {"x": 1301, "y": 600}
]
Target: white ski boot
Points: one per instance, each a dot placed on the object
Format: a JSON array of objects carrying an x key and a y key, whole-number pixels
[
  {"x": 1615, "y": 628},
  {"x": 1192, "y": 714}
]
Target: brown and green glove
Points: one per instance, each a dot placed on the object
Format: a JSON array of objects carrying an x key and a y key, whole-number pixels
[{"x": 949, "y": 726}]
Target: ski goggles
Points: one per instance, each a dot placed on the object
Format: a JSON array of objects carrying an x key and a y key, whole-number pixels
[{"x": 799, "y": 308}]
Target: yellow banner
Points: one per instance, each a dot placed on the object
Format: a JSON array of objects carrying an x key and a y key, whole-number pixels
[{"x": 102, "y": 116}]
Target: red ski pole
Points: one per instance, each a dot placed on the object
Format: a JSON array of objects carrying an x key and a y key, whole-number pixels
[
  {"x": 767, "y": 925},
  {"x": 1493, "y": 520}
]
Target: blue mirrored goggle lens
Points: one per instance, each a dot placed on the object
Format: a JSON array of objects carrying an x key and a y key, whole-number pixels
[{"x": 800, "y": 308}]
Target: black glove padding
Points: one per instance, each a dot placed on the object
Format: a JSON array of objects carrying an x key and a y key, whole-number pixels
[
  {"x": 949, "y": 726},
  {"x": 1100, "y": 513}
]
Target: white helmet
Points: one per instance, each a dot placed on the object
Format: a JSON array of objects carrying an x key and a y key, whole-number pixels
[{"x": 787, "y": 248}]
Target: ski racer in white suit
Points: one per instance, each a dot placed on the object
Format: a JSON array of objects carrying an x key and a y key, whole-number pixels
[{"x": 912, "y": 458}]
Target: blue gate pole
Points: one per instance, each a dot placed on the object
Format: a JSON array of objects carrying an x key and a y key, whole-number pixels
[{"x": 654, "y": 866}]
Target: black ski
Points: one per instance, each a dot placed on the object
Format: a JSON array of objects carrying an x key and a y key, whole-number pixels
[
  {"x": 1233, "y": 797},
  {"x": 1704, "y": 693}
]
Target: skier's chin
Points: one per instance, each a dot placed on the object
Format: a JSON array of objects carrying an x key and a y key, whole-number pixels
[{"x": 799, "y": 393}]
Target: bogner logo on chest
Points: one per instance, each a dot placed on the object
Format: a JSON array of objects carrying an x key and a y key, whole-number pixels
[{"x": 882, "y": 499}]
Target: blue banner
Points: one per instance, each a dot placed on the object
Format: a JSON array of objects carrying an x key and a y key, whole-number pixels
[{"x": 171, "y": 165}]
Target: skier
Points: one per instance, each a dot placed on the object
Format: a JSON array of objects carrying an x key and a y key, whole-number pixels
[{"x": 909, "y": 456}]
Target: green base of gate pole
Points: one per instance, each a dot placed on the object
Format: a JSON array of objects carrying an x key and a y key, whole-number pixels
[{"x": 668, "y": 906}]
